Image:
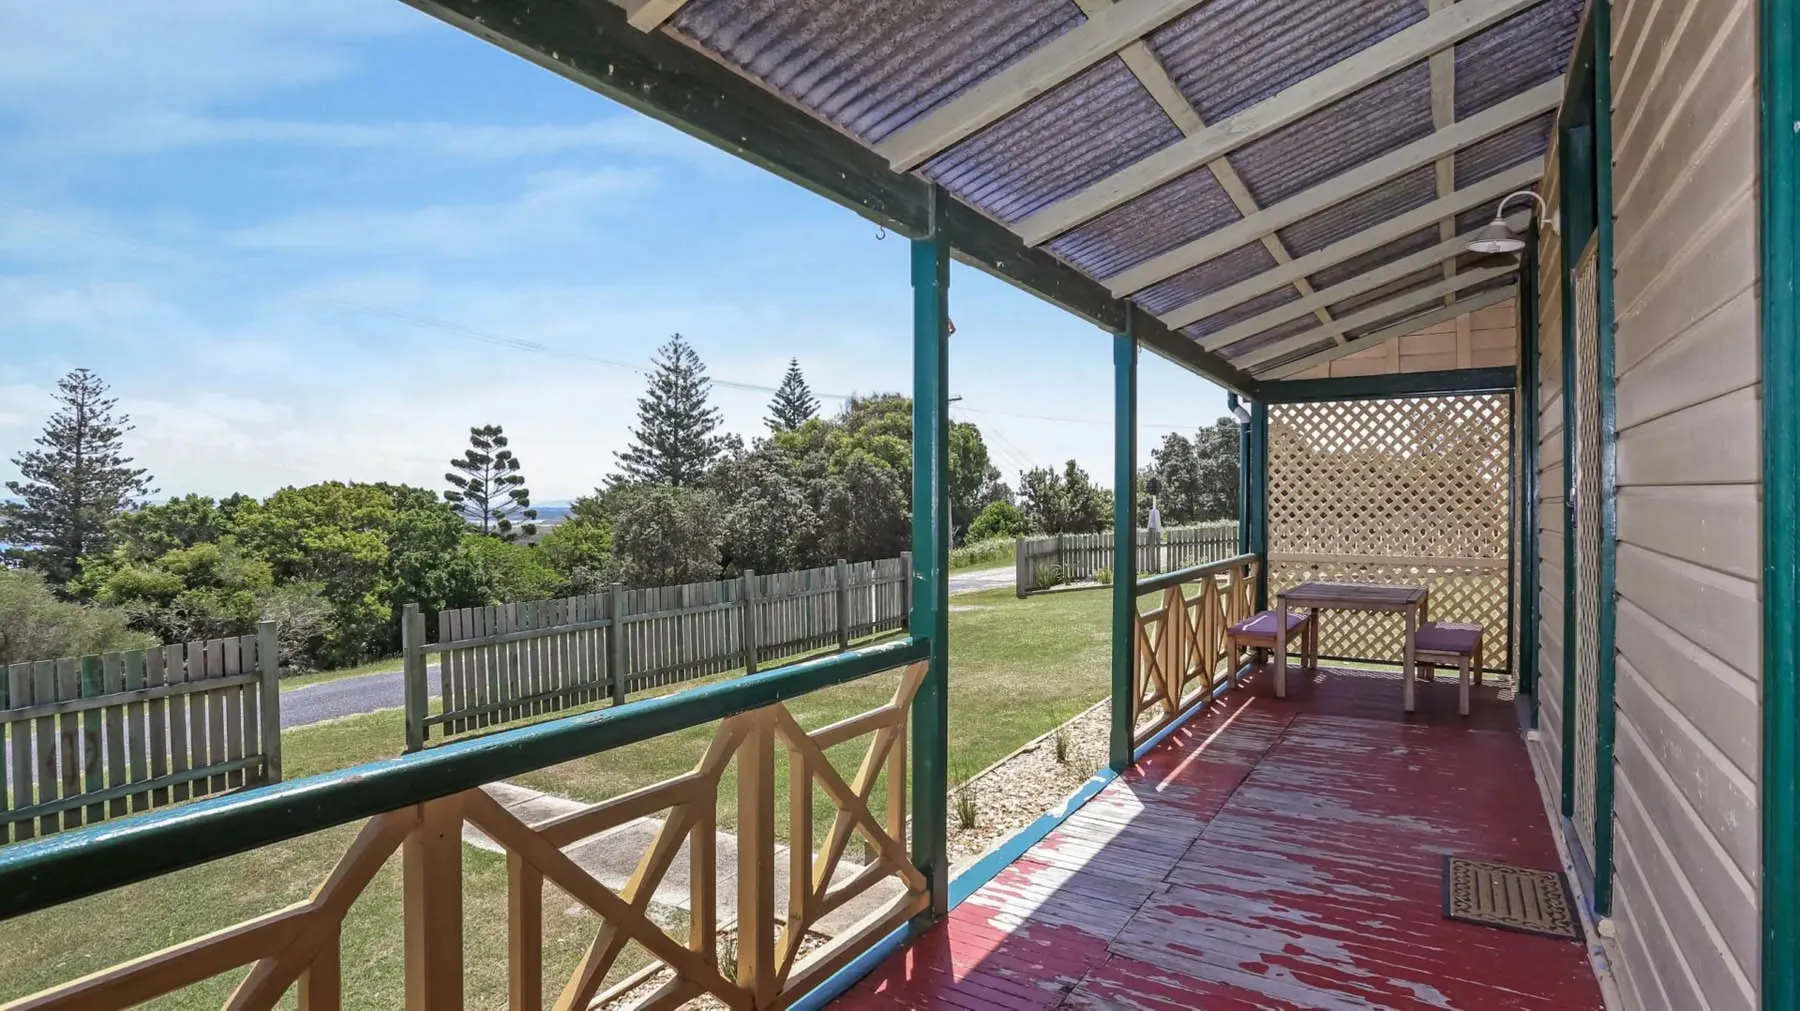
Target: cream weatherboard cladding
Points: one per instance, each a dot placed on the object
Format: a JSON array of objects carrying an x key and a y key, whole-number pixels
[{"x": 1688, "y": 618}]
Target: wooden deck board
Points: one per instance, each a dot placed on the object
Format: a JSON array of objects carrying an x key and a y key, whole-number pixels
[{"x": 1270, "y": 854}]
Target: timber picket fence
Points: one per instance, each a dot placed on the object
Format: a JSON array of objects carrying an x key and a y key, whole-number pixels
[
  {"x": 83, "y": 739},
  {"x": 517, "y": 661},
  {"x": 1045, "y": 561}
]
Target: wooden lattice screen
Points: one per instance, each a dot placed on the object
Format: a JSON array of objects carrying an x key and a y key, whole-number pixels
[{"x": 1411, "y": 491}]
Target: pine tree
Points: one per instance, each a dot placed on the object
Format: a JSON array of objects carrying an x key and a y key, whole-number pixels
[
  {"x": 676, "y": 440},
  {"x": 794, "y": 404},
  {"x": 490, "y": 490},
  {"x": 75, "y": 484}
]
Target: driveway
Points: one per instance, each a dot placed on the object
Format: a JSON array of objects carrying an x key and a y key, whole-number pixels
[{"x": 366, "y": 693}]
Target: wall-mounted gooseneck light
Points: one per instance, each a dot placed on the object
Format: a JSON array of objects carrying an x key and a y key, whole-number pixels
[{"x": 1499, "y": 237}]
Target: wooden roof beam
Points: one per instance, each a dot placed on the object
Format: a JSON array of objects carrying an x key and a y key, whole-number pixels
[
  {"x": 1492, "y": 188},
  {"x": 1372, "y": 314},
  {"x": 1397, "y": 51},
  {"x": 649, "y": 15},
  {"x": 1406, "y": 326},
  {"x": 1366, "y": 176},
  {"x": 1102, "y": 35},
  {"x": 1443, "y": 113},
  {"x": 1443, "y": 252}
]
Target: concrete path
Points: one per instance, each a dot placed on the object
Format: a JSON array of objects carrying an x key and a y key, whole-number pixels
[
  {"x": 612, "y": 858},
  {"x": 367, "y": 693}
]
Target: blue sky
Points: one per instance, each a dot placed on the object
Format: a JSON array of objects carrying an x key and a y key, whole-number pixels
[{"x": 311, "y": 241}]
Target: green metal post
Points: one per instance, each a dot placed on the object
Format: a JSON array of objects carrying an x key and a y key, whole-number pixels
[
  {"x": 1779, "y": 81},
  {"x": 1527, "y": 479},
  {"x": 1259, "y": 495},
  {"x": 1124, "y": 591},
  {"x": 929, "y": 617},
  {"x": 1243, "y": 488},
  {"x": 1606, "y": 714}
]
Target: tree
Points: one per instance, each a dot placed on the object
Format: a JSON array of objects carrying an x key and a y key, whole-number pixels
[
  {"x": 676, "y": 440},
  {"x": 999, "y": 519},
  {"x": 794, "y": 404},
  {"x": 1066, "y": 503},
  {"x": 75, "y": 484},
  {"x": 1216, "y": 466},
  {"x": 579, "y": 550},
  {"x": 771, "y": 520},
  {"x": 1178, "y": 471},
  {"x": 490, "y": 490},
  {"x": 34, "y": 625},
  {"x": 664, "y": 536}
]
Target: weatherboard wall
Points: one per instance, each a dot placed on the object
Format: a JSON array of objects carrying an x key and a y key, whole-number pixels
[{"x": 1484, "y": 338}]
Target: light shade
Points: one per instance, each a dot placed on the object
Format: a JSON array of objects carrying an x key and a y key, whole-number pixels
[{"x": 1496, "y": 237}]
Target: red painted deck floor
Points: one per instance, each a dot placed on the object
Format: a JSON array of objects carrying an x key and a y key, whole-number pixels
[{"x": 1270, "y": 854}]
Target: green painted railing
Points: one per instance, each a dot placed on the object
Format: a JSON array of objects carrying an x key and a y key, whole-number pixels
[{"x": 39, "y": 874}]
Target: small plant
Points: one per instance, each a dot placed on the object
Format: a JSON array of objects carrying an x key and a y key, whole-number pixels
[
  {"x": 728, "y": 949},
  {"x": 968, "y": 802},
  {"x": 1047, "y": 577},
  {"x": 1103, "y": 577},
  {"x": 1065, "y": 744}
]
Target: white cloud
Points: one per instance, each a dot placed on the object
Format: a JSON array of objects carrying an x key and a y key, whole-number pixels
[{"x": 554, "y": 207}]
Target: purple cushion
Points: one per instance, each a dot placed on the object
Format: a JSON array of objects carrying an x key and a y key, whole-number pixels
[
  {"x": 1263, "y": 624},
  {"x": 1448, "y": 637}
]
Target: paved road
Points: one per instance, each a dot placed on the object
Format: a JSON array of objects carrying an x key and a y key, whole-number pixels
[{"x": 366, "y": 693}]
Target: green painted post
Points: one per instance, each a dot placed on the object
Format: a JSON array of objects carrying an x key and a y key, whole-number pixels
[
  {"x": 1779, "y": 190},
  {"x": 1259, "y": 497},
  {"x": 1528, "y": 474},
  {"x": 929, "y": 617},
  {"x": 1606, "y": 714},
  {"x": 1124, "y": 590},
  {"x": 1243, "y": 488},
  {"x": 1575, "y": 158}
]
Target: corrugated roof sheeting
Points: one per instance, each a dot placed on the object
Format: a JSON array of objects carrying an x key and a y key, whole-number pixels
[
  {"x": 1525, "y": 50},
  {"x": 872, "y": 67},
  {"x": 1357, "y": 265},
  {"x": 1154, "y": 223},
  {"x": 1339, "y": 137},
  {"x": 1244, "y": 310},
  {"x": 1393, "y": 289},
  {"x": 1503, "y": 150},
  {"x": 1198, "y": 282},
  {"x": 1228, "y": 55},
  {"x": 1279, "y": 332},
  {"x": 1505, "y": 281},
  {"x": 1294, "y": 356},
  {"x": 1095, "y": 124},
  {"x": 1364, "y": 210}
]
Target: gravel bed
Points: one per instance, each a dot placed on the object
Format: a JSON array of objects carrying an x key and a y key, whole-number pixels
[{"x": 1014, "y": 793}]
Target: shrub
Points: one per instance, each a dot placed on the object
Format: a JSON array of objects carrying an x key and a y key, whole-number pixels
[
  {"x": 997, "y": 551},
  {"x": 1047, "y": 576},
  {"x": 1000, "y": 520},
  {"x": 968, "y": 806},
  {"x": 1065, "y": 744},
  {"x": 34, "y": 625},
  {"x": 1103, "y": 577}
]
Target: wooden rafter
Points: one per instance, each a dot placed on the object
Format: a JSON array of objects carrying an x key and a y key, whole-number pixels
[
  {"x": 649, "y": 15},
  {"x": 1364, "y": 177},
  {"x": 1385, "y": 309},
  {"x": 1491, "y": 188},
  {"x": 1380, "y": 60},
  {"x": 1443, "y": 113},
  {"x": 1407, "y": 326},
  {"x": 1155, "y": 78},
  {"x": 1365, "y": 281},
  {"x": 1102, "y": 35}
]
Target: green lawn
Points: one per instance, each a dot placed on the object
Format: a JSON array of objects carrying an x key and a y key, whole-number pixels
[{"x": 1018, "y": 668}]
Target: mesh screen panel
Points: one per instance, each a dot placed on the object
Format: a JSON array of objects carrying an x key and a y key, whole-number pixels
[{"x": 1587, "y": 544}]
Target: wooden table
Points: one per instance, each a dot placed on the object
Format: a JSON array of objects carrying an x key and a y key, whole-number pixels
[{"x": 1408, "y": 600}]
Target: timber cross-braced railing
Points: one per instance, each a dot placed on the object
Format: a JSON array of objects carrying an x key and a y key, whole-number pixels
[
  {"x": 419, "y": 805},
  {"x": 1182, "y": 642}
]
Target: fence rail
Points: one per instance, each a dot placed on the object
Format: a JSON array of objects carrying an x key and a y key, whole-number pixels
[
  {"x": 1046, "y": 561},
  {"x": 499, "y": 664},
  {"x": 83, "y": 739}
]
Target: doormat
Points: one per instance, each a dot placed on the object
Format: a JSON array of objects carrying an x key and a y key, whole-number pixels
[{"x": 1511, "y": 898}]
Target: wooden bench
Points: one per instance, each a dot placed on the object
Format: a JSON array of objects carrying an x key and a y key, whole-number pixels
[
  {"x": 1451, "y": 644},
  {"x": 1258, "y": 632}
]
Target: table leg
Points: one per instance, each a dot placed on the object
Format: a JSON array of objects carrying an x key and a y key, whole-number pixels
[
  {"x": 1409, "y": 667},
  {"x": 1281, "y": 647}
]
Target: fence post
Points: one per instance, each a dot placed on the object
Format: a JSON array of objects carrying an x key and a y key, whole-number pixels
[
  {"x": 412, "y": 665},
  {"x": 268, "y": 667},
  {"x": 843, "y": 603},
  {"x": 615, "y": 644},
  {"x": 1021, "y": 585},
  {"x": 905, "y": 584},
  {"x": 748, "y": 632}
]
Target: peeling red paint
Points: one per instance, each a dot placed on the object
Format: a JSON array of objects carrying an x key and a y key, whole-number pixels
[{"x": 1271, "y": 854}]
